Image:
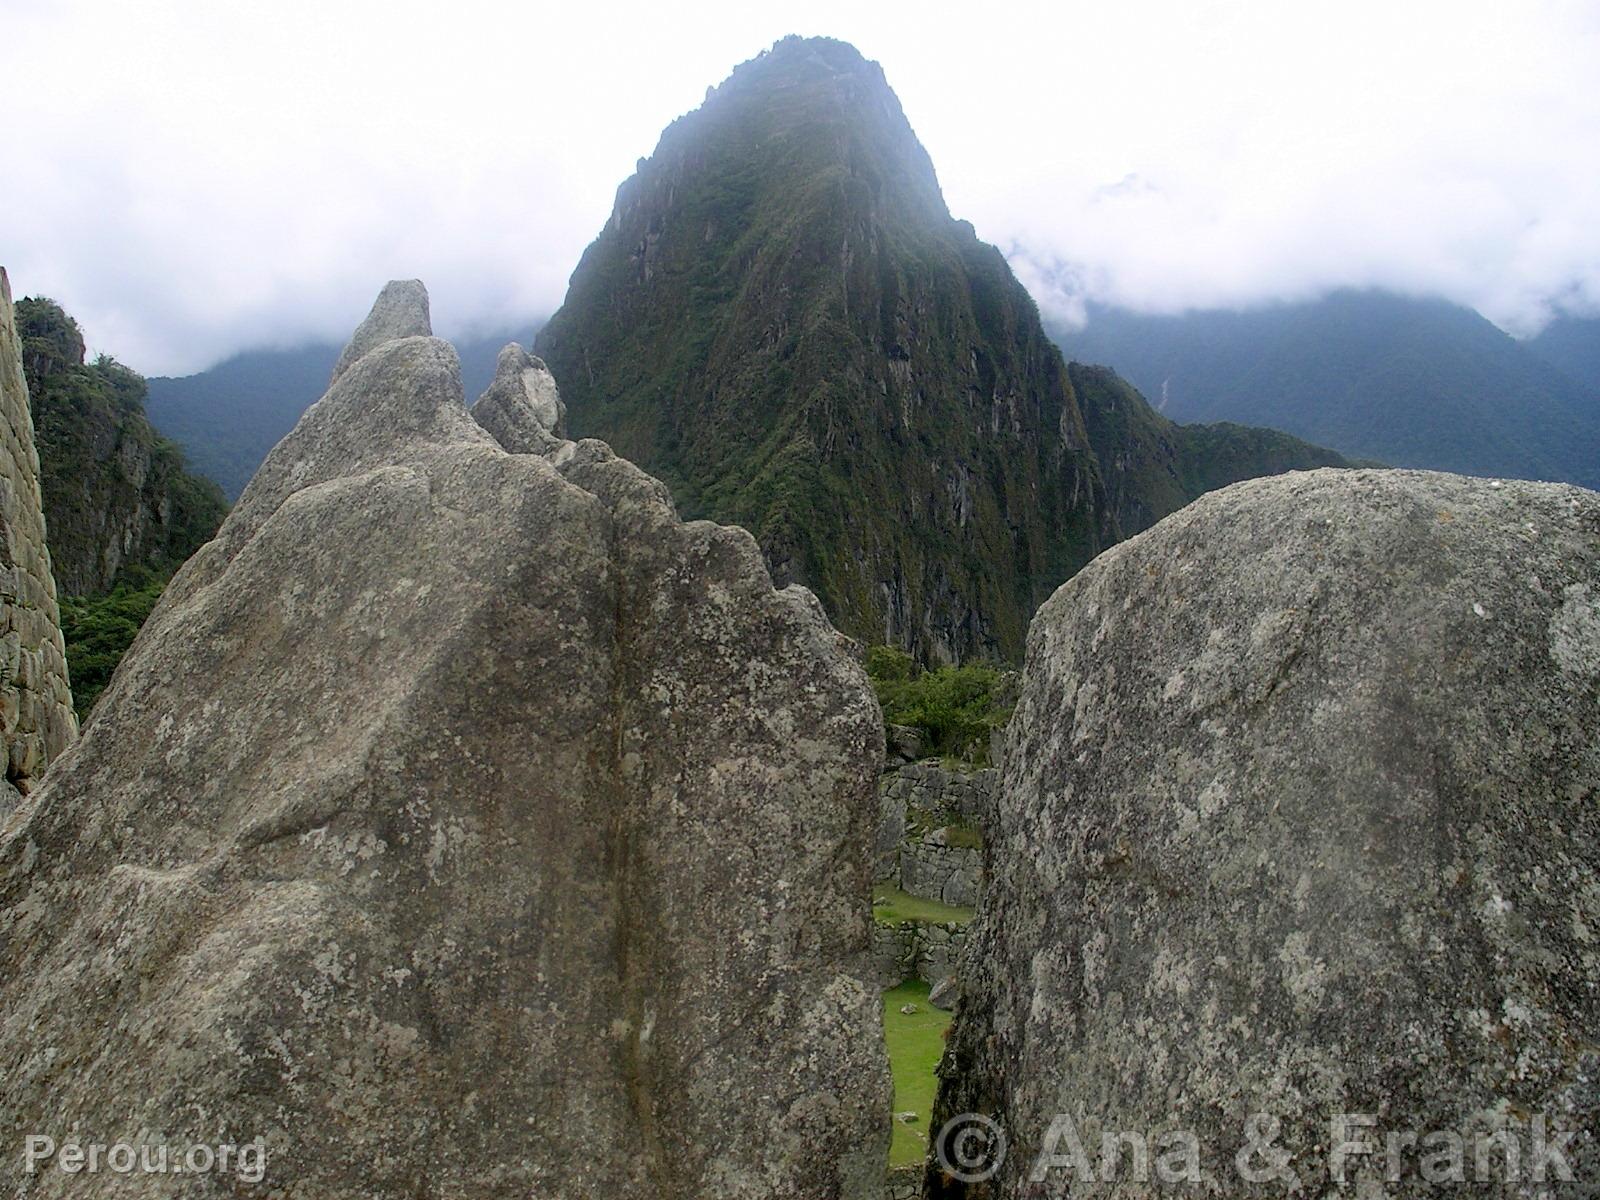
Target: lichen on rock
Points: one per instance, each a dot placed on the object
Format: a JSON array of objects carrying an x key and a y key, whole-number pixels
[
  {"x": 430, "y": 833},
  {"x": 1299, "y": 817}
]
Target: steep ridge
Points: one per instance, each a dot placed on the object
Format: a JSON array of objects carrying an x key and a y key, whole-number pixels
[
  {"x": 524, "y": 852},
  {"x": 782, "y": 320},
  {"x": 116, "y": 494},
  {"x": 36, "y": 717}
]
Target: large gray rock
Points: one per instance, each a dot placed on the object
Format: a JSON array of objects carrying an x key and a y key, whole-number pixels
[
  {"x": 401, "y": 311},
  {"x": 36, "y": 717},
  {"x": 1301, "y": 816},
  {"x": 522, "y": 407},
  {"x": 429, "y": 833}
]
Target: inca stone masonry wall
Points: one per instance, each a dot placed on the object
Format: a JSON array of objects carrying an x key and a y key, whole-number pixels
[{"x": 36, "y": 717}]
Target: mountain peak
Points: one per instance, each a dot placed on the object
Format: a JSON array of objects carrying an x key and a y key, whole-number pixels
[{"x": 812, "y": 109}]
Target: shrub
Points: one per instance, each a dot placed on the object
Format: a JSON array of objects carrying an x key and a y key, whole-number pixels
[
  {"x": 99, "y": 629},
  {"x": 956, "y": 708}
]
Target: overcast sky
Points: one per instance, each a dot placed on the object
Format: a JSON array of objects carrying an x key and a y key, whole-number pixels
[{"x": 194, "y": 178}]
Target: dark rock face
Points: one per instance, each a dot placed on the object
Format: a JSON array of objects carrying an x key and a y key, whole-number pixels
[
  {"x": 461, "y": 824},
  {"x": 116, "y": 495},
  {"x": 36, "y": 717},
  {"x": 1299, "y": 817},
  {"x": 784, "y": 322}
]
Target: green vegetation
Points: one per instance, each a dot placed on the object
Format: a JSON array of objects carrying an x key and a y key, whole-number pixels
[
  {"x": 916, "y": 1043},
  {"x": 99, "y": 629},
  {"x": 1403, "y": 380},
  {"x": 117, "y": 498},
  {"x": 784, "y": 323},
  {"x": 811, "y": 347},
  {"x": 955, "y": 708},
  {"x": 891, "y": 906}
]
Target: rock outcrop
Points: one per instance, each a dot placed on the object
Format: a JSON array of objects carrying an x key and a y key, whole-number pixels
[
  {"x": 1301, "y": 817},
  {"x": 522, "y": 407},
  {"x": 430, "y": 833},
  {"x": 36, "y": 717}
]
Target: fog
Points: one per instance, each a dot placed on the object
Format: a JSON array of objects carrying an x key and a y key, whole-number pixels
[{"x": 193, "y": 179}]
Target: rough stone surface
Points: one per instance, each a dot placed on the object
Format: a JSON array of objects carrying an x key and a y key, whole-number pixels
[
  {"x": 945, "y": 993},
  {"x": 916, "y": 949},
  {"x": 932, "y": 868},
  {"x": 36, "y": 717},
  {"x": 959, "y": 795},
  {"x": 904, "y": 743},
  {"x": 1301, "y": 816},
  {"x": 401, "y": 311},
  {"x": 920, "y": 806},
  {"x": 522, "y": 407},
  {"x": 427, "y": 833}
]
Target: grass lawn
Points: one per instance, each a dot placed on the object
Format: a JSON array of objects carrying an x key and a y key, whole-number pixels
[
  {"x": 916, "y": 1043},
  {"x": 896, "y": 907}
]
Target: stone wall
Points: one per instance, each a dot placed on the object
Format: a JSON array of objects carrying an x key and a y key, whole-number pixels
[
  {"x": 916, "y": 949},
  {"x": 925, "y": 818},
  {"x": 36, "y": 717}
]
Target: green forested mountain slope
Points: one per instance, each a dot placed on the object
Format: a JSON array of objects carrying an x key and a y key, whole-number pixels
[
  {"x": 118, "y": 501},
  {"x": 1410, "y": 382},
  {"x": 1153, "y": 466},
  {"x": 1572, "y": 346},
  {"x": 783, "y": 321}
]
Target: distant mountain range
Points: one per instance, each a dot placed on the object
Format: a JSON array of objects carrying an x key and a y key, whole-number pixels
[
  {"x": 782, "y": 320},
  {"x": 1409, "y": 382},
  {"x": 228, "y": 417}
]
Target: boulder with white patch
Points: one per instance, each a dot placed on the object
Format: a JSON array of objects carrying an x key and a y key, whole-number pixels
[{"x": 1301, "y": 817}]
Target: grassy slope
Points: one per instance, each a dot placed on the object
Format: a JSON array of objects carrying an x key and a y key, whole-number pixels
[
  {"x": 916, "y": 1043},
  {"x": 891, "y": 906}
]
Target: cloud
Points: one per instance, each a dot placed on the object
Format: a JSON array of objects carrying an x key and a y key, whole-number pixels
[{"x": 190, "y": 178}]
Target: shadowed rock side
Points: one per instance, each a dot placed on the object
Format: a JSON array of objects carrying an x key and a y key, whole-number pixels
[
  {"x": 36, "y": 716},
  {"x": 462, "y": 824},
  {"x": 1299, "y": 817}
]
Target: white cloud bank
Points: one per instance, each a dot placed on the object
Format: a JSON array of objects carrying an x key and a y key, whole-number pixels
[{"x": 192, "y": 178}]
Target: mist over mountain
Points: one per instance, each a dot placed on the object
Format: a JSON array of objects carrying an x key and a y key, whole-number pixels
[
  {"x": 1405, "y": 381},
  {"x": 229, "y": 416},
  {"x": 782, "y": 320}
]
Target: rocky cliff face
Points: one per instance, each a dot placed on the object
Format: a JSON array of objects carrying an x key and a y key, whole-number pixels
[
  {"x": 784, "y": 322},
  {"x": 1299, "y": 818},
  {"x": 524, "y": 852},
  {"x": 116, "y": 495},
  {"x": 36, "y": 717}
]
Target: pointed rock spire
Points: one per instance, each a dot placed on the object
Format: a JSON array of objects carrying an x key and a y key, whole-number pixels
[
  {"x": 522, "y": 408},
  {"x": 401, "y": 311}
]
